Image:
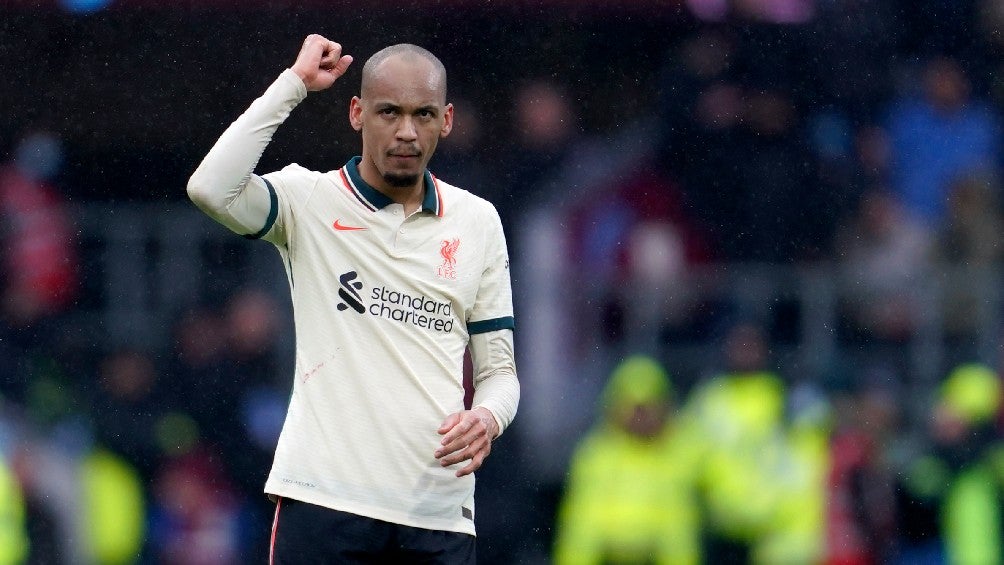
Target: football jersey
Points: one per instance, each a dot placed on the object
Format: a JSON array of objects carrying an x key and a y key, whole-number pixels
[{"x": 384, "y": 305}]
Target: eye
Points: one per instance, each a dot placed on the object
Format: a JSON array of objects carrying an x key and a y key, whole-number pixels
[
  {"x": 426, "y": 113},
  {"x": 387, "y": 111}
]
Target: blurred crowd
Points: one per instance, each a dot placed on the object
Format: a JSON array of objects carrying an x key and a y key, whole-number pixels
[
  {"x": 863, "y": 136},
  {"x": 746, "y": 469}
]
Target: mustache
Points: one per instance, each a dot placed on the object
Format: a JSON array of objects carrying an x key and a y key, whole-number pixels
[{"x": 404, "y": 150}]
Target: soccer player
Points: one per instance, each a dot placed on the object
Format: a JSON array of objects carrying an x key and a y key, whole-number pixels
[{"x": 393, "y": 273}]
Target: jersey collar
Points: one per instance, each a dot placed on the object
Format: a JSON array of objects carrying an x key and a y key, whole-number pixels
[{"x": 373, "y": 199}]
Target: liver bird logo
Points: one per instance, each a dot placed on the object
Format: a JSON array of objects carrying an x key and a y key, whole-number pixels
[{"x": 448, "y": 249}]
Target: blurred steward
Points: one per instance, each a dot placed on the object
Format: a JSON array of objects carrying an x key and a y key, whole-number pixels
[
  {"x": 13, "y": 536},
  {"x": 629, "y": 496},
  {"x": 114, "y": 508},
  {"x": 796, "y": 531},
  {"x": 951, "y": 498},
  {"x": 85, "y": 503},
  {"x": 761, "y": 483}
]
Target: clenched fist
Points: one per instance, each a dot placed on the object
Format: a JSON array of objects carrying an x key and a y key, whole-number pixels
[{"x": 320, "y": 62}]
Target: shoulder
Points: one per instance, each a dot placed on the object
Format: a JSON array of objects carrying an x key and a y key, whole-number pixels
[
  {"x": 294, "y": 175},
  {"x": 465, "y": 202}
]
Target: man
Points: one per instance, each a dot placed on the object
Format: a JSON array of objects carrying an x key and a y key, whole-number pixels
[
  {"x": 630, "y": 496},
  {"x": 393, "y": 273}
]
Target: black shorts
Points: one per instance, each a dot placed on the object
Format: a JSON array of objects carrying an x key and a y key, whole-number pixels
[{"x": 305, "y": 533}]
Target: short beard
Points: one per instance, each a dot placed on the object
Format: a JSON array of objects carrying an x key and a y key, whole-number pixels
[{"x": 400, "y": 181}]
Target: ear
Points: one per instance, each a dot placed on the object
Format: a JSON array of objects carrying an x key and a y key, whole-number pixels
[
  {"x": 356, "y": 113},
  {"x": 447, "y": 121}
]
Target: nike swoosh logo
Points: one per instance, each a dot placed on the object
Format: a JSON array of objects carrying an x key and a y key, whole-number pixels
[{"x": 341, "y": 227}]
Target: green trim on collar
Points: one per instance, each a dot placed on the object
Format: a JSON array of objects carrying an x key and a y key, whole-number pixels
[
  {"x": 376, "y": 198},
  {"x": 430, "y": 202},
  {"x": 379, "y": 200}
]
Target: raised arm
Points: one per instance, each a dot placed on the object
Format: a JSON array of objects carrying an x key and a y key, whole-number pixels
[{"x": 223, "y": 185}]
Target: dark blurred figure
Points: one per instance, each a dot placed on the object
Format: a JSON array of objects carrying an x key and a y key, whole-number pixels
[
  {"x": 630, "y": 497},
  {"x": 860, "y": 511},
  {"x": 40, "y": 262},
  {"x": 635, "y": 244},
  {"x": 196, "y": 363},
  {"x": 990, "y": 24},
  {"x": 196, "y": 518},
  {"x": 224, "y": 368},
  {"x": 462, "y": 153},
  {"x": 950, "y": 498},
  {"x": 732, "y": 126},
  {"x": 780, "y": 214},
  {"x": 700, "y": 111},
  {"x": 973, "y": 233},
  {"x": 703, "y": 59},
  {"x": 544, "y": 128},
  {"x": 746, "y": 171},
  {"x": 968, "y": 249},
  {"x": 883, "y": 254},
  {"x": 251, "y": 403},
  {"x": 39, "y": 279},
  {"x": 128, "y": 408},
  {"x": 855, "y": 41}
]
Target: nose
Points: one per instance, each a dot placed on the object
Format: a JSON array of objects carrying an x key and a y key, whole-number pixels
[{"x": 406, "y": 129}]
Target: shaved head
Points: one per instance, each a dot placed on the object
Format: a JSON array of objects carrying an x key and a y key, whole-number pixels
[{"x": 406, "y": 51}]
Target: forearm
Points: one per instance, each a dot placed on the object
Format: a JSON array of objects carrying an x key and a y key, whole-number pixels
[
  {"x": 222, "y": 184},
  {"x": 496, "y": 387}
]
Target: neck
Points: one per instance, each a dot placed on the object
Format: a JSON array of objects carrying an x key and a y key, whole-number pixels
[
  {"x": 408, "y": 196},
  {"x": 412, "y": 203}
]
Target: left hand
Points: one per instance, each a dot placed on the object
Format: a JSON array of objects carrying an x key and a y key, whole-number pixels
[{"x": 467, "y": 435}]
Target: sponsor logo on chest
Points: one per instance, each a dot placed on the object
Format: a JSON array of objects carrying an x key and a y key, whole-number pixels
[{"x": 407, "y": 307}]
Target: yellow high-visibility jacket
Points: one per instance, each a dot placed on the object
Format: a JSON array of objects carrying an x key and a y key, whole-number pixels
[
  {"x": 630, "y": 499},
  {"x": 13, "y": 537}
]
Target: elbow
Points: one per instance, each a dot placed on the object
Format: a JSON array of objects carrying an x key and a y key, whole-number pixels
[
  {"x": 516, "y": 393},
  {"x": 198, "y": 191}
]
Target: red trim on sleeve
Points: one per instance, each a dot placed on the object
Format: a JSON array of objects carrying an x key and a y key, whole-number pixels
[{"x": 275, "y": 526}]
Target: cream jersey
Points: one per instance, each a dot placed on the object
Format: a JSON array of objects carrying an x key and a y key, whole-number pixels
[{"x": 384, "y": 307}]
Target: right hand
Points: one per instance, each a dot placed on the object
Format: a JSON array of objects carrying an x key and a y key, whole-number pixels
[{"x": 320, "y": 62}]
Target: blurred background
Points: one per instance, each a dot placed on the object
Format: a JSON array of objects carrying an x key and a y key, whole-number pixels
[{"x": 757, "y": 261}]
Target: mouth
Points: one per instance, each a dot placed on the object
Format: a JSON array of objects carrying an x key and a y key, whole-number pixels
[
  {"x": 404, "y": 160},
  {"x": 405, "y": 153}
]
